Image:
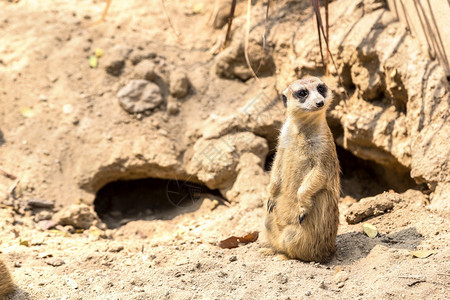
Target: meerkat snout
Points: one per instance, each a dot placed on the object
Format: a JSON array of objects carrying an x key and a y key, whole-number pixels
[{"x": 319, "y": 103}]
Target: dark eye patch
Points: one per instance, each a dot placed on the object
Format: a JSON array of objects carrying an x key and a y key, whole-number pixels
[
  {"x": 284, "y": 100},
  {"x": 301, "y": 94},
  {"x": 322, "y": 89}
]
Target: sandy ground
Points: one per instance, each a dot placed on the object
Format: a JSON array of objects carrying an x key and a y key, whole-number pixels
[{"x": 171, "y": 253}]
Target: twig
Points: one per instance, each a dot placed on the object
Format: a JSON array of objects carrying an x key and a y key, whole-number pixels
[
  {"x": 327, "y": 37},
  {"x": 8, "y": 174},
  {"x": 230, "y": 21},
  {"x": 319, "y": 20},
  {"x": 13, "y": 186},
  {"x": 105, "y": 12},
  {"x": 247, "y": 33},
  {"x": 177, "y": 34},
  {"x": 412, "y": 277}
]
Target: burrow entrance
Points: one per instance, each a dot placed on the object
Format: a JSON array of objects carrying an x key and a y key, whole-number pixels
[
  {"x": 120, "y": 202},
  {"x": 361, "y": 178}
]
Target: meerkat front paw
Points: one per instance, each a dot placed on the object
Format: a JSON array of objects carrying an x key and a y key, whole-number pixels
[{"x": 270, "y": 205}]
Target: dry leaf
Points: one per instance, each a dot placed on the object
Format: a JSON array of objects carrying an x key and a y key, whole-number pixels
[
  {"x": 234, "y": 241},
  {"x": 24, "y": 243},
  {"x": 27, "y": 112},
  {"x": 422, "y": 253},
  {"x": 198, "y": 8},
  {"x": 370, "y": 230}
]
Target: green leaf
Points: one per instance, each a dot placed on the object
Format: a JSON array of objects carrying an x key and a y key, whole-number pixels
[
  {"x": 370, "y": 230},
  {"x": 93, "y": 61},
  {"x": 422, "y": 253}
]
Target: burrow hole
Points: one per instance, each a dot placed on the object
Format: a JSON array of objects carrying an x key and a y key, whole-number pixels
[
  {"x": 361, "y": 178},
  {"x": 120, "y": 202}
]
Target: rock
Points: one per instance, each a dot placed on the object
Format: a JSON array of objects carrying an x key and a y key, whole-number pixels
[
  {"x": 39, "y": 203},
  {"x": 233, "y": 258},
  {"x": 42, "y": 215},
  {"x": 77, "y": 215},
  {"x": 214, "y": 161},
  {"x": 366, "y": 75},
  {"x": 371, "y": 207},
  {"x": 47, "y": 224},
  {"x": 340, "y": 277},
  {"x": 116, "y": 248},
  {"x": 139, "y": 56},
  {"x": 55, "y": 262},
  {"x": 231, "y": 62},
  {"x": 114, "y": 60},
  {"x": 173, "y": 108},
  {"x": 145, "y": 70},
  {"x": 179, "y": 84},
  {"x": 139, "y": 95}
]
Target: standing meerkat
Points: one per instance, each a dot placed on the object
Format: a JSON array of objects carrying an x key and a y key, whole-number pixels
[
  {"x": 302, "y": 212},
  {"x": 6, "y": 282}
]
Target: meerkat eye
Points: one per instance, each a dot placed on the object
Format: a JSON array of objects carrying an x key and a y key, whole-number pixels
[
  {"x": 322, "y": 89},
  {"x": 284, "y": 100},
  {"x": 302, "y": 94}
]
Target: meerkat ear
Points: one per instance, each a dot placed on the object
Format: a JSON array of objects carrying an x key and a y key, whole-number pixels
[{"x": 284, "y": 100}]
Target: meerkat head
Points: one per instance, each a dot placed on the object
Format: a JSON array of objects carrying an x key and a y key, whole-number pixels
[{"x": 306, "y": 96}]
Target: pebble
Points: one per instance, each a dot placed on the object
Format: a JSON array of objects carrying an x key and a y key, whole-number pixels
[
  {"x": 233, "y": 258},
  {"x": 56, "y": 262},
  {"x": 340, "y": 277},
  {"x": 139, "y": 95},
  {"x": 179, "y": 84},
  {"x": 77, "y": 215},
  {"x": 145, "y": 70}
]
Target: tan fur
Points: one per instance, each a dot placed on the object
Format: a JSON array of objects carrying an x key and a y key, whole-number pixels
[
  {"x": 304, "y": 179},
  {"x": 6, "y": 282}
]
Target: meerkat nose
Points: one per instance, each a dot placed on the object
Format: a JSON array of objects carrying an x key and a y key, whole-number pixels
[{"x": 319, "y": 103}]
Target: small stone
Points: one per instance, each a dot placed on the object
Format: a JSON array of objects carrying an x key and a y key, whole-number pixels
[
  {"x": 340, "y": 276},
  {"x": 145, "y": 70},
  {"x": 71, "y": 283},
  {"x": 67, "y": 108},
  {"x": 233, "y": 258},
  {"x": 172, "y": 108},
  {"x": 69, "y": 229},
  {"x": 77, "y": 215},
  {"x": 42, "y": 215},
  {"x": 47, "y": 224},
  {"x": 308, "y": 293},
  {"x": 17, "y": 264},
  {"x": 140, "y": 56},
  {"x": 179, "y": 84},
  {"x": 56, "y": 262},
  {"x": 282, "y": 278},
  {"x": 139, "y": 95},
  {"x": 42, "y": 97},
  {"x": 322, "y": 285},
  {"x": 39, "y": 203},
  {"x": 116, "y": 248},
  {"x": 114, "y": 60}
]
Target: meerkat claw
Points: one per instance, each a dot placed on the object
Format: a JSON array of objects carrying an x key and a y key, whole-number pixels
[
  {"x": 301, "y": 217},
  {"x": 270, "y": 206}
]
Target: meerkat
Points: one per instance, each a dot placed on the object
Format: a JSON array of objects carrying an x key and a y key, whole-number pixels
[
  {"x": 302, "y": 211},
  {"x": 6, "y": 282}
]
